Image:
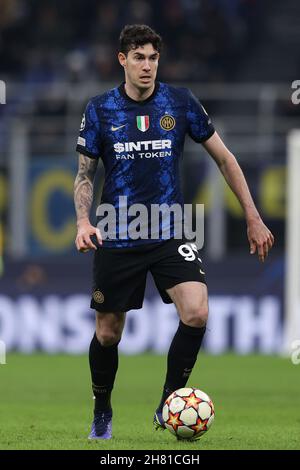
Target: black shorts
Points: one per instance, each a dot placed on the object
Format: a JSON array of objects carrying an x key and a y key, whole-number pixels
[{"x": 119, "y": 274}]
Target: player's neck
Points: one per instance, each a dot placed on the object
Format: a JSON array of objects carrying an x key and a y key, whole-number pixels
[{"x": 137, "y": 94}]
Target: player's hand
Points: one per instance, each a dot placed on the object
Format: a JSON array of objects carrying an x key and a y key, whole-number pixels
[
  {"x": 260, "y": 238},
  {"x": 83, "y": 240}
]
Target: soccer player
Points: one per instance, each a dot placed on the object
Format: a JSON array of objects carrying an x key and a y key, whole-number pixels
[{"x": 138, "y": 130}]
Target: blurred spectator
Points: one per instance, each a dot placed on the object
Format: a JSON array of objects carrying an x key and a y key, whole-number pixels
[
  {"x": 13, "y": 35},
  {"x": 200, "y": 35}
]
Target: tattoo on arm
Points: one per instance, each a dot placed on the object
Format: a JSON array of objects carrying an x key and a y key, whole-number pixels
[{"x": 83, "y": 186}]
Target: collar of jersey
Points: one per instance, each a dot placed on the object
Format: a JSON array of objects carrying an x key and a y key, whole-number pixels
[{"x": 122, "y": 91}]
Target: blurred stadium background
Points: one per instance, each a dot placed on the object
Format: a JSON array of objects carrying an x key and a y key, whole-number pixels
[{"x": 240, "y": 58}]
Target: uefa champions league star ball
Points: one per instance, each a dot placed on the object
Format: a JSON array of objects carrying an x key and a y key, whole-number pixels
[{"x": 188, "y": 413}]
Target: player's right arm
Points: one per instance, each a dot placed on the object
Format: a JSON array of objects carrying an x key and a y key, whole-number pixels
[{"x": 83, "y": 199}]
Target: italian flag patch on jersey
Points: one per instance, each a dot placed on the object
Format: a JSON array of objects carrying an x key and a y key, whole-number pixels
[{"x": 142, "y": 123}]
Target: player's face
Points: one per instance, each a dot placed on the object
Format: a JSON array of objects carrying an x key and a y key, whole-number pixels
[{"x": 140, "y": 66}]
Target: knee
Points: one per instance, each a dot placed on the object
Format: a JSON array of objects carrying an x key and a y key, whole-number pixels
[
  {"x": 108, "y": 337},
  {"x": 195, "y": 316},
  {"x": 109, "y": 327}
]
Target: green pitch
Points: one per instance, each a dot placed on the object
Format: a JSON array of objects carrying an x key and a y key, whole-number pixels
[{"x": 45, "y": 403}]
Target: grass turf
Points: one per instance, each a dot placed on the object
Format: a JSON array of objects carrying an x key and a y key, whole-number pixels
[{"x": 45, "y": 403}]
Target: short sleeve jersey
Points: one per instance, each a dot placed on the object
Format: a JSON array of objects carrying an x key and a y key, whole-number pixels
[{"x": 141, "y": 144}]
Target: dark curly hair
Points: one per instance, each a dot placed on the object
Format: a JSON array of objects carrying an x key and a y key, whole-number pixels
[{"x": 135, "y": 35}]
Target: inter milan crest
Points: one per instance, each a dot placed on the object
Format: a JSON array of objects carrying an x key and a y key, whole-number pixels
[
  {"x": 98, "y": 297},
  {"x": 167, "y": 122},
  {"x": 143, "y": 123}
]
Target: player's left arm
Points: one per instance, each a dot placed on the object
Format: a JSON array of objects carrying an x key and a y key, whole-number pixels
[{"x": 259, "y": 236}]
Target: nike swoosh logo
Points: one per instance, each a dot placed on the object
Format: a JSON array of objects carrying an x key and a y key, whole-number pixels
[
  {"x": 116, "y": 128},
  {"x": 202, "y": 272}
]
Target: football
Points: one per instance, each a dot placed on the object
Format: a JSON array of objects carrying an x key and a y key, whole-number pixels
[{"x": 188, "y": 413}]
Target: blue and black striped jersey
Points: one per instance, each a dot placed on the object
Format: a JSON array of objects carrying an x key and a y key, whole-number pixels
[{"x": 141, "y": 144}]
